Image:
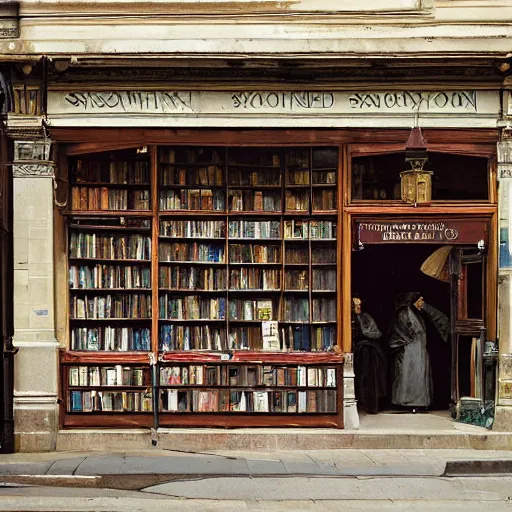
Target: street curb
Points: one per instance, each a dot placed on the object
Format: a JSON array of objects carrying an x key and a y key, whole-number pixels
[
  {"x": 478, "y": 467},
  {"x": 53, "y": 480}
]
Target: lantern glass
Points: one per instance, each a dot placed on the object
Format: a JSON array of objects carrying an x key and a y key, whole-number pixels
[{"x": 416, "y": 186}]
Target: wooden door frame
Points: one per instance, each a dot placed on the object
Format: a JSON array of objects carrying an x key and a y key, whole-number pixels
[{"x": 348, "y": 218}]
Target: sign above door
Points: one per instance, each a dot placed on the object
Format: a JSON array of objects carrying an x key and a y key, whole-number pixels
[{"x": 425, "y": 231}]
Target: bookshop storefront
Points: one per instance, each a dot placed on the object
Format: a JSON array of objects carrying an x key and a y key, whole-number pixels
[{"x": 225, "y": 258}]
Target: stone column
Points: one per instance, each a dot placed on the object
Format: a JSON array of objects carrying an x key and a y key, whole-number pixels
[
  {"x": 503, "y": 417},
  {"x": 35, "y": 370}
]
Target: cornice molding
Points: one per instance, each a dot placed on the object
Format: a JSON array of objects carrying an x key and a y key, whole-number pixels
[{"x": 225, "y": 7}]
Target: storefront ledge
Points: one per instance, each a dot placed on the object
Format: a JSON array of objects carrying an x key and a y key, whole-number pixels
[
  {"x": 30, "y": 442},
  {"x": 103, "y": 439},
  {"x": 195, "y": 440},
  {"x": 503, "y": 419}
]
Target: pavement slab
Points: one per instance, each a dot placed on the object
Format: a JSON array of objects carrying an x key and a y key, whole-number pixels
[
  {"x": 113, "y": 465},
  {"x": 65, "y": 466},
  {"x": 26, "y": 468},
  {"x": 266, "y": 467}
]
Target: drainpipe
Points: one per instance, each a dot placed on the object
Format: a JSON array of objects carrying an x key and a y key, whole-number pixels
[{"x": 6, "y": 288}]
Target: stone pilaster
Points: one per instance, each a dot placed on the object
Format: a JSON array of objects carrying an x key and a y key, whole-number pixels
[
  {"x": 503, "y": 417},
  {"x": 350, "y": 414},
  {"x": 36, "y": 378}
]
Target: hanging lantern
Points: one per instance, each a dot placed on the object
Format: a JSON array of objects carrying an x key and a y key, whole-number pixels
[{"x": 416, "y": 183}]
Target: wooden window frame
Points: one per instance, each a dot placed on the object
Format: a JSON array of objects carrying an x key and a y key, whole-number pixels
[{"x": 476, "y": 142}]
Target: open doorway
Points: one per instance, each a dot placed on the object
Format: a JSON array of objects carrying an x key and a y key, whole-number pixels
[{"x": 380, "y": 274}]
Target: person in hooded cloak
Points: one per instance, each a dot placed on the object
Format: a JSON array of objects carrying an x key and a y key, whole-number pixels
[
  {"x": 412, "y": 376},
  {"x": 369, "y": 359}
]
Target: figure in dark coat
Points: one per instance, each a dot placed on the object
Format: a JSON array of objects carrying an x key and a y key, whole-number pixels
[
  {"x": 369, "y": 360},
  {"x": 412, "y": 379}
]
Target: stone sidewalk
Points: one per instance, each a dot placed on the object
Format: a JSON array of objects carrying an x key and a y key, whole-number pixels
[{"x": 164, "y": 465}]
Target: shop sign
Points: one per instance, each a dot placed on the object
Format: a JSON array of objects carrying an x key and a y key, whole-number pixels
[
  {"x": 431, "y": 231},
  {"x": 268, "y": 102}
]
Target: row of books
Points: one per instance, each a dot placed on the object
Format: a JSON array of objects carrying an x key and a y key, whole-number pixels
[
  {"x": 254, "y": 229},
  {"x": 111, "y": 339},
  {"x": 197, "y": 337},
  {"x": 324, "y": 338},
  {"x": 110, "y": 401},
  {"x": 111, "y": 306},
  {"x": 297, "y": 176},
  {"x": 211, "y": 175},
  {"x": 242, "y": 253},
  {"x": 201, "y": 337},
  {"x": 223, "y": 400},
  {"x": 297, "y": 200},
  {"x": 322, "y": 229},
  {"x": 192, "y": 307},
  {"x": 245, "y": 338},
  {"x": 250, "y": 278},
  {"x": 193, "y": 228},
  {"x": 323, "y": 255},
  {"x": 116, "y": 172},
  {"x": 314, "y": 229},
  {"x": 192, "y": 199},
  {"x": 244, "y": 177},
  {"x": 178, "y": 277},
  {"x": 296, "y": 309},
  {"x": 118, "y": 247},
  {"x": 254, "y": 253},
  {"x": 296, "y": 280},
  {"x": 117, "y": 375},
  {"x": 324, "y": 199},
  {"x": 296, "y": 255},
  {"x": 195, "y": 252},
  {"x": 104, "y": 198},
  {"x": 301, "y": 338},
  {"x": 296, "y": 229},
  {"x": 247, "y": 375},
  {"x": 324, "y": 310},
  {"x": 324, "y": 177},
  {"x": 296, "y": 338},
  {"x": 216, "y": 229},
  {"x": 109, "y": 276},
  {"x": 324, "y": 279},
  {"x": 192, "y": 278},
  {"x": 253, "y": 310},
  {"x": 254, "y": 201}
]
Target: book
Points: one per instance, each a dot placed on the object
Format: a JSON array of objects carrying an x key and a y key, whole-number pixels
[{"x": 270, "y": 336}]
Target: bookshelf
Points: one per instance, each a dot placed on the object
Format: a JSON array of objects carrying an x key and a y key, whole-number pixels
[
  {"x": 197, "y": 251},
  {"x": 242, "y": 391}
]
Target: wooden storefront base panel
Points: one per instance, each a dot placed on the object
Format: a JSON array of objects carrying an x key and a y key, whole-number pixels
[
  {"x": 244, "y": 420},
  {"x": 108, "y": 419}
]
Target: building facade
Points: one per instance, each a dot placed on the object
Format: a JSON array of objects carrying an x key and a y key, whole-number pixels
[{"x": 201, "y": 189}]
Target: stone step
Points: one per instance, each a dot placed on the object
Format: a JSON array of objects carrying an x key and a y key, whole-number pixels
[{"x": 202, "y": 439}]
